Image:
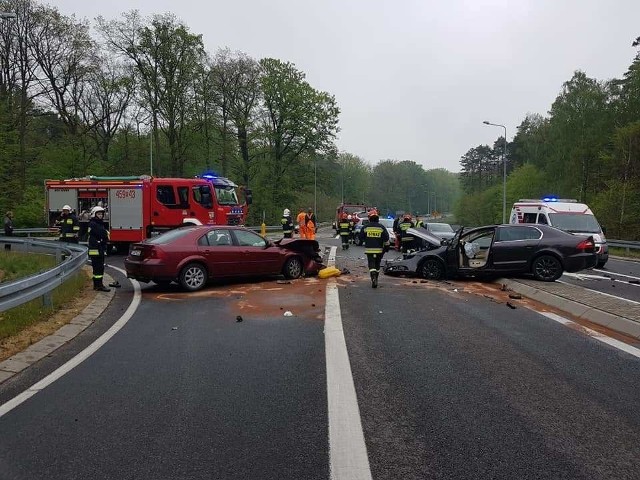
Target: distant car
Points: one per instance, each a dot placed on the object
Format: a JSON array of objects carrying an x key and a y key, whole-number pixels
[
  {"x": 498, "y": 250},
  {"x": 385, "y": 222},
  {"x": 442, "y": 230},
  {"x": 193, "y": 255}
]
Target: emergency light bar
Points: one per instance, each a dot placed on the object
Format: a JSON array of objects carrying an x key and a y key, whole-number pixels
[{"x": 549, "y": 200}]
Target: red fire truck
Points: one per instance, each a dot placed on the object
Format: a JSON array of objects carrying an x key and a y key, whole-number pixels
[
  {"x": 138, "y": 207},
  {"x": 231, "y": 201}
]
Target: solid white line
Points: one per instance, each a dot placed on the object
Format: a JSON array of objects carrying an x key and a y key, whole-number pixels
[
  {"x": 597, "y": 335},
  {"x": 600, "y": 293},
  {"x": 81, "y": 357},
  {"x": 348, "y": 458}
]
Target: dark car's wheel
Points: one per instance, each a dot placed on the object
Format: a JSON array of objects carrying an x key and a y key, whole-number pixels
[
  {"x": 546, "y": 268},
  {"x": 431, "y": 269},
  {"x": 292, "y": 267},
  {"x": 193, "y": 277}
]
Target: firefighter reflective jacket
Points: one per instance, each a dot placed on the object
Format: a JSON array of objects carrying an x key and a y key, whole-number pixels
[
  {"x": 287, "y": 224},
  {"x": 98, "y": 237},
  {"x": 403, "y": 226},
  {"x": 69, "y": 227},
  {"x": 344, "y": 227},
  {"x": 375, "y": 238}
]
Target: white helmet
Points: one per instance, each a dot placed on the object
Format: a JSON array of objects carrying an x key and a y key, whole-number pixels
[
  {"x": 349, "y": 217},
  {"x": 95, "y": 210},
  {"x": 286, "y": 212},
  {"x": 66, "y": 207}
]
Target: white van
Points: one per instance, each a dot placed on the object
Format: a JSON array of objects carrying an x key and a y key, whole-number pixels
[{"x": 565, "y": 214}]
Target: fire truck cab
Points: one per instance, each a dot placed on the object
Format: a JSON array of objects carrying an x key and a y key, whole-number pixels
[
  {"x": 135, "y": 207},
  {"x": 565, "y": 214},
  {"x": 231, "y": 201}
]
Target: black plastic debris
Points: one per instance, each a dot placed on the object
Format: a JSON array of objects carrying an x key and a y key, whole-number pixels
[
  {"x": 115, "y": 284},
  {"x": 511, "y": 305},
  {"x": 238, "y": 318},
  {"x": 345, "y": 271},
  {"x": 282, "y": 282},
  {"x": 515, "y": 296}
]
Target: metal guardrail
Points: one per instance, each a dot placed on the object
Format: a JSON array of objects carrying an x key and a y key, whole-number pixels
[
  {"x": 35, "y": 232},
  {"x": 626, "y": 244},
  {"x": 70, "y": 258}
]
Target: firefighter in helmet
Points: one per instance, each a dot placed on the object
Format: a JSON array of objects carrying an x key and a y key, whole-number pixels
[
  {"x": 344, "y": 227},
  {"x": 406, "y": 239},
  {"x": 375, "y": 238},
  {"x": 98, "y": 240},
  {"x": 69, "y": 226},
  {"x": 287, "y": 223}
]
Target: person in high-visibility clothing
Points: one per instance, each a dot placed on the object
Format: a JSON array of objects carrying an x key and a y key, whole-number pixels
[
  {"x": 69, "y": 226},
  {"x": 310, "y": 221},
  {"x": 287, "y": 224},
  {"x": 344, "y": 227},
  {"x": 375, "y": 238},
  {"x": 98, "y": 240},
  {"x": 302, "y": 223},
  {"x": 406, "y": 239}
]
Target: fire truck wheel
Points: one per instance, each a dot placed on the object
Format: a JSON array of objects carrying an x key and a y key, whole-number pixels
[
  {"x": 292, "y": 268},
  {"x": 193, "y": 277}
]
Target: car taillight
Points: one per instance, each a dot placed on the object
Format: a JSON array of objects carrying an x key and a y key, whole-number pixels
[{"x": 586, "y": 245}]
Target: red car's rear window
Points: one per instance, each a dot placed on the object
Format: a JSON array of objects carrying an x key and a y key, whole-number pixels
[{"x": 169, "y": 236}]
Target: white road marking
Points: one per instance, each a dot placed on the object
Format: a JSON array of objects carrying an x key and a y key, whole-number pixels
[
  {"x": 583, "y": 276},
  {"x": 618, "y": 274},
  {"x": 601, "y": 293},
  {"x": 348, "y": 459},
  {"x": 596, "y": 335},
  {"x": 81, "y": 357}
]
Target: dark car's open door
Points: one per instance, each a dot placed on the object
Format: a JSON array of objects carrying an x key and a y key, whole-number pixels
[{"x": 453, "y": 251}]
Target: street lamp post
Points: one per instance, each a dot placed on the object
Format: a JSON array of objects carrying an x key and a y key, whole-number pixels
[{"x": 504, "y": 171}]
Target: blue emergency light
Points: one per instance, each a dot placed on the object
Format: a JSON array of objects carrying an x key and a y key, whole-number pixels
[{"x": 550, "y": 199}]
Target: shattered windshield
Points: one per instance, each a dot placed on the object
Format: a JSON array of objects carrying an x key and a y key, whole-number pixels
[
  {"x": 574, "y": 222},
  {"x": 226, "y": 195}
]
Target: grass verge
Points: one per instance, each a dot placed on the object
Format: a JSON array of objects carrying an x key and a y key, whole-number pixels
[
  {"x": 622, "y": 252},
  {"x": 15, "y": 265}
]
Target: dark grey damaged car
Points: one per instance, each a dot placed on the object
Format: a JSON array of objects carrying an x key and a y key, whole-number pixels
[{"x": 497, "y": 250}]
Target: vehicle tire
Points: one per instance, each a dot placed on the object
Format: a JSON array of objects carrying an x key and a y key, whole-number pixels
[
  {"x": 357, "y": 240},
  {"x": 601, "y": 264},
  {"x": 293, "y": 268},
  {"x": 546, "y": 268},
  {"x": 193, "y": 277},
  {"x": 162, "y": 283},
  {"x": 431, "y": 269}
]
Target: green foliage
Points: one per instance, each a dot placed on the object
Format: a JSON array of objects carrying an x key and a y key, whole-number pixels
[
  {"x": 17, "y": 319},
  {"x": 15, "y": 265}
]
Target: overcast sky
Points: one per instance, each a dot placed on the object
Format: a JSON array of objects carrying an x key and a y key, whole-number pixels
[{"x": 415, "y": 79}]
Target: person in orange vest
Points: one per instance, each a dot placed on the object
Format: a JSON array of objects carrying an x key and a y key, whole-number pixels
[
  {"x": 302, "y": 225},
  {"x": 310, "y": 221}
]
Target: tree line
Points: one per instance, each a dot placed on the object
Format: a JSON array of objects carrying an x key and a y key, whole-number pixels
[
  {"x": 141, "y": 95},
  {"x": 587, "y": 147}
]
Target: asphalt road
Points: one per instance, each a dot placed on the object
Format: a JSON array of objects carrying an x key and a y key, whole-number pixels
[
  {"x": 450, "y": 384},
  {"x": 619, "y": 277}
]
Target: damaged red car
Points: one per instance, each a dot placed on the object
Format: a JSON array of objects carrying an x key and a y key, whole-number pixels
[{"x": 193, "y": 255}]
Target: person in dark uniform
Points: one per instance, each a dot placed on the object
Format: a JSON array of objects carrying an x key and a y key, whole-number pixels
[
  {"x": 8, "y": 228},
  {"x": 406, "y": 239},
  {"x": 287, "y": 224},
  {"x": 98, "y": 240},
  {"x": 375, "y": 238},
  {"x": 344, "y": 227},
  {"x": 69, "y": 226}
]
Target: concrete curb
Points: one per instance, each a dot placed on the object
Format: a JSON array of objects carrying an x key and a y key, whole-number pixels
[
  {"x": 32, "y": 354},
  {"x": 580, "y": 310}
]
